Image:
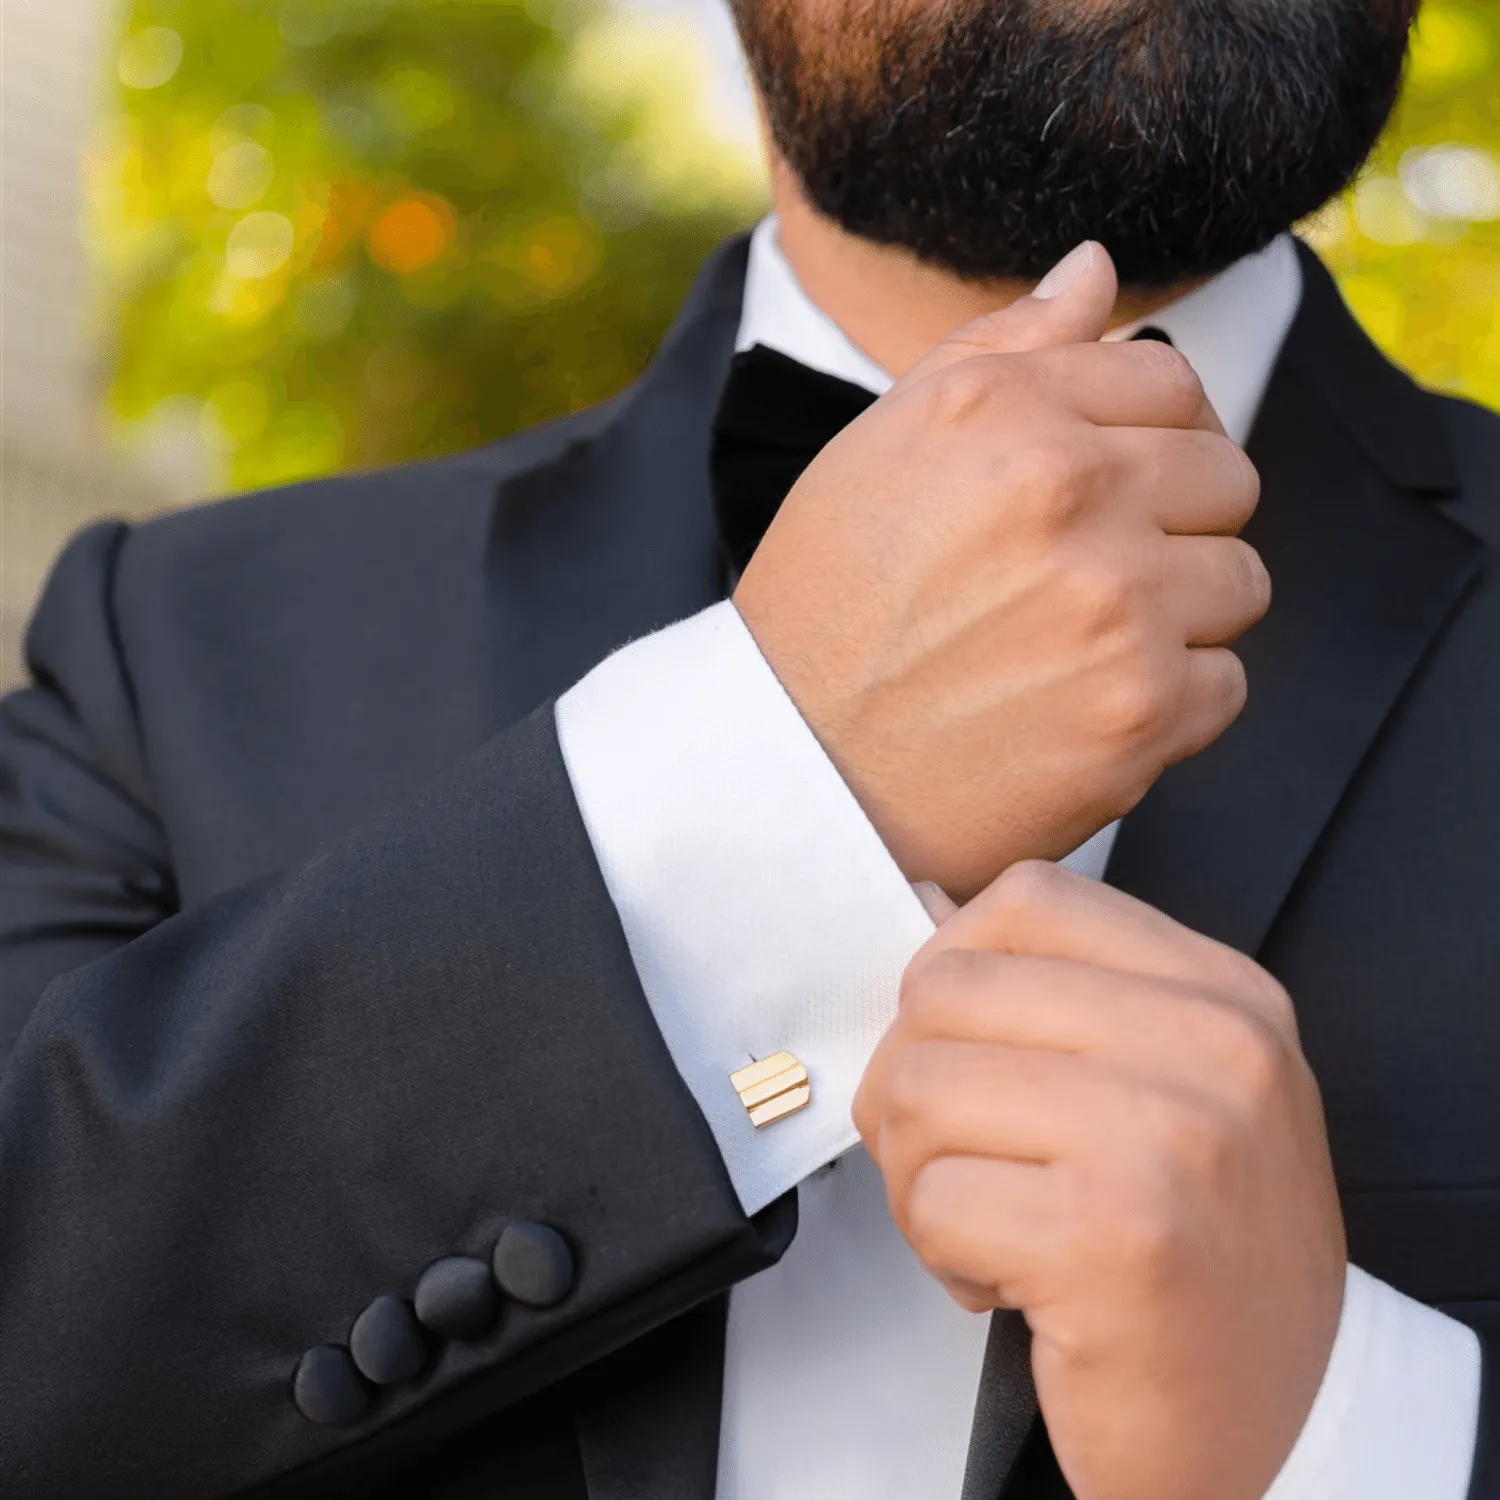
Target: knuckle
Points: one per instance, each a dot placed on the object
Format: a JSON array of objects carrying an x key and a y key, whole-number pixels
[
  {"x": 1072, "y": 1339},
  {"x": 915, "y": 1082},
  {"x": 918, "y": 980},
  {"x": 1223, "y": 687},
  {"x": 1249, "y": 479},
  {"x": 961, "y": 391},
  {"x": 1175, "y": 377},
  {"x": 1250, "y": 575},
  {"x": 1100, "y": 594},
  {"x": 1187, "y": 1138},
  {"x": 1136, "y": 706},
  {"x": 1234, "y": 687},
  {"x": 1259, "y": 1071},
  {"x": 1271, "y": 998},
  {"x": 1027, "y": 886},
  {"x": 1250, "y": 1057},
  {"x": 1215, "y": 692},
  {"x": 972, "y": 1296},
  {"x": 929, "y": 1219},
  {"x": 1145, "y": 1233},
  {"x": 931, "y": 983},
  {"x": 1050, "y": 482},
  {"x": 917, "y": 1000}
]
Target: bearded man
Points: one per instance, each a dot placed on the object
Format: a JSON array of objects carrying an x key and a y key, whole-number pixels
[{"x": 751, "y": 943}]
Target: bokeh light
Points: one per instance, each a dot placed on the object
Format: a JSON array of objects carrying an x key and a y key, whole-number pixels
[
  {"x": 412, "y": 233},
  {"x": 334, "y": 233},
  {"x": 1416, "y": 243},
  {"x": 421, "y": 224}
]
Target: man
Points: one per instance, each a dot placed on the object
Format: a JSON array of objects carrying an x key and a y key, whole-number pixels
[{"x": 387, "y": 964}]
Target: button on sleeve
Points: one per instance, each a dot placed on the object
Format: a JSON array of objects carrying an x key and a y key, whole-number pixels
[
  {"x": 533, "y": 1264},
  {"x": 456, "y": 1298},
  {"x": 386, "y": 1342},
  {"x": 327, "y": 1388}
]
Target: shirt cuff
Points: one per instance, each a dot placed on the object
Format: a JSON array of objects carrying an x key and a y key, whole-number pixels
[
  {"x": 1397, "y": 1414},
  {"x": 762, "y": 911}
]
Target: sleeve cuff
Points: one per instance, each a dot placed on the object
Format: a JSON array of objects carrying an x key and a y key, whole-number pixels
[
  {"x": 1397, "y": 1414},
  {"x": 762, "y": 910}
]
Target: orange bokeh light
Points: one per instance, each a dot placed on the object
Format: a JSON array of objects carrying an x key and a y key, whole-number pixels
[{"x": 411, "y": 233}]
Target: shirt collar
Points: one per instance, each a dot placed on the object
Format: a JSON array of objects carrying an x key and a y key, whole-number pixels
[{"x": 1230, "y": 329}]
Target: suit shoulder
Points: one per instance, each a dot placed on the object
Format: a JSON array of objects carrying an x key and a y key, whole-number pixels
[
  {"x": 353, "y": 527},
  {"x": 378, "y": 507}
]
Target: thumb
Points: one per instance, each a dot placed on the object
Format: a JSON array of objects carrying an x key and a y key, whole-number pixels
[{"x": 1070, "y": 305}]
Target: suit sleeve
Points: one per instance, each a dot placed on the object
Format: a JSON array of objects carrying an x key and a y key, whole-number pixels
[{"x": 227, "y": 1132}]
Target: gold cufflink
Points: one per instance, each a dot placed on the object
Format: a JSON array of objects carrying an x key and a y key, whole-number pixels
[{"x": 772, "y": 1088}]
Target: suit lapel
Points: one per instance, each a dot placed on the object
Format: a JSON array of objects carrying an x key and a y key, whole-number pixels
[
  {"x": 1365, "y": 569},
  {"x": 605, "y": 530}
]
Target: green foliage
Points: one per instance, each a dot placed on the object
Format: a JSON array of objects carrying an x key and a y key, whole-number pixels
[
  {"x": 1416, "y": 245},
  {"x": 338, "y": 233},
  {"x": 344, "y": 232}
]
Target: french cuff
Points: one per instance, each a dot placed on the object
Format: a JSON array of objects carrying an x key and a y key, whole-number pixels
[
  {"x": 763, "y": 913},
  {"x": 1397, "y": 1414}
]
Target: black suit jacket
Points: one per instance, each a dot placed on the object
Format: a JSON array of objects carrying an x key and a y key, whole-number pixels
[{"x": 308, "y": 976}]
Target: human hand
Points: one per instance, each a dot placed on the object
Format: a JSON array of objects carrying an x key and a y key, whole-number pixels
[
  {"x": 1086, "y": 1111},
  {"x": 1002, "y": 597}
]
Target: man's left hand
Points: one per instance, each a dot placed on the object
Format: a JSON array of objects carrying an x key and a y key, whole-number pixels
[{"x": 1086, "y": 1111}]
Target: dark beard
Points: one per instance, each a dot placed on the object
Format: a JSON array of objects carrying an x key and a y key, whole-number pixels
[{"x": 991, "y": 136}]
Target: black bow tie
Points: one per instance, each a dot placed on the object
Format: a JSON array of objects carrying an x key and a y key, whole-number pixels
[{"x": 775, "y": 416}]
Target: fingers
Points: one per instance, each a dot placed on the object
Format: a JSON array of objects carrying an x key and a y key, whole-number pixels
[
  {"x": 1022, "y": 1000},
  {"x": 1020, "y": 1104},
  {"x": 978, "y": 1222},
  {"x": 1071, "y": 305},
  {"x": 1107, "y": 385},
  {"x": 1190, "y": 483},
  {"x": 957, "y": 1002},
  {"x": 1042, "y": 909},
  {"x": 1214, "y": 694},
  {"x": 1104, "y": 384},
  {"x": 1124, "y": 385},
  {"x": 1138, "y": 383},
  {"x": 1216, "y": 587}
]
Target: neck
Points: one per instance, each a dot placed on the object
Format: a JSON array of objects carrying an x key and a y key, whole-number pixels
[{"x": 892, "y": 305}]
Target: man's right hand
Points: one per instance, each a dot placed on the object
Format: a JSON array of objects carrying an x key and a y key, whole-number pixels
[{"x": 1003, "y": 597}]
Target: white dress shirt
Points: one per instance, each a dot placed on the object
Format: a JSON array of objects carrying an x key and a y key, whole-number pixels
[{"x": 764, "y": 914}]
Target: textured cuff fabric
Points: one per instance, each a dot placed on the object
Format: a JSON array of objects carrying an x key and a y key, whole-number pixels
[
  {"x": 762, "y": 910},
  {"x": 1397, "y": 1414}
]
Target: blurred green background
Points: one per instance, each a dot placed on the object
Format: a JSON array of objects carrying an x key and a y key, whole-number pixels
[{"x": 337, "y": 233}]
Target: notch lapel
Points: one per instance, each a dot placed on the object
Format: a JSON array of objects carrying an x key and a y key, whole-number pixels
[{"x": 1365, "y": 568}]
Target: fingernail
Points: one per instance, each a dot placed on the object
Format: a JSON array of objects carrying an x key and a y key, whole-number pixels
[
  {"x": 938, "y": 903},
  {"x": 1067, "y": 273}
]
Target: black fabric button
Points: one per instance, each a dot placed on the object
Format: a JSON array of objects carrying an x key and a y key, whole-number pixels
[
  {"x": 533, "y": 1264},
  {"x": 327, "y": 1388},
  {"x": 386, "y": 1342},
  {"x": 457, "y": 1297}
]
